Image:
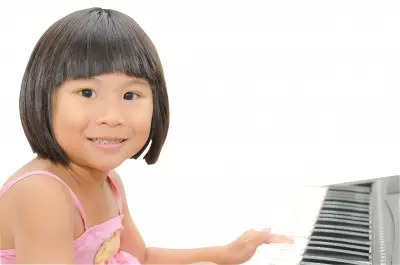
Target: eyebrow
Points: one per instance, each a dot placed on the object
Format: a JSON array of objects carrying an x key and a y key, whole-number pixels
[{"x": 128, "y": 83}]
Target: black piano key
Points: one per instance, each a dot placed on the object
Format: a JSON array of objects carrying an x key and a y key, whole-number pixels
[
  {"x": 343, "y": 228},
  {"x": 346, "y": 246},
  {"x": 316, "y": 263},
  {"x": 332, "y": 260},
  {"x": 321, "y": 263},
  {"x": 327, "y": 254},
  {"x": 351, "y": 188},
  {"x": 349, "y": 204},
  {"x": 349, "y": 240},
  {"x": 350, "y": 198},
  {"x": 335, "y": 211},
  {"x": 345, "y": 209},
  {"x": 342, "y": 234},
  {"x": 360, "y": 255},
  {"x": 341, "y": 221},
  {"x": 345, "y": 217},
  {"x": 329, "y": 205},
  {"x": 358, "y": 196},
  {"x": 346, "y": 199}
]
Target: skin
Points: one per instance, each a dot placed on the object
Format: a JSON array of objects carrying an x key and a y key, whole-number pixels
[
  {"x": 112, "y": 105},
  {"x": 90, "y": 108}
]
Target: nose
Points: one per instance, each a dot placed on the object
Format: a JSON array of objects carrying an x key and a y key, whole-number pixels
[{"x": 110, "y": 116}]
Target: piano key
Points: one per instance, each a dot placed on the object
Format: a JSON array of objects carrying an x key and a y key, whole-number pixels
[
  {"x": 349, "y": 240},
  {"x": 345, "y": 217},
  {"x": 360, "y": 196},
  {"x": 347, "y": 199},
  {"x": 275, "y": 254},
  {"x": 343, "y": 221},
  {"x": 287, "y": 254},
  {"x": 338, "y": 212},
  {"x": 340, "y": 245},
  {"x": 333, "y": 260},
  {"x": 292, "y": 254},
  {"x": 343, "y": 228},
  {"x": 345, "y": 208},
  {"x": 350, "y": 198},
  {"x": 333, "y": 232},
  {"x": 322, "y": 262},
  {"x": 332, "y": 202},
  {"x": 355, "y": 254},
  {"x": 351, "y": 188}
]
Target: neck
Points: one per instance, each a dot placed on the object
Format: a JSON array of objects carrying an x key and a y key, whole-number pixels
[
  {"x": 84, "y": 177},
  {"x": 80, "y": 176},
  {"x": 87, "y": 177}
]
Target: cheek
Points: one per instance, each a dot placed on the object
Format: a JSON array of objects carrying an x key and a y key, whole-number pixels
[
  {"x": 140, "y": 118},
  {"x": 140, "y": 121},
  {"x": 68, "y": 124}
]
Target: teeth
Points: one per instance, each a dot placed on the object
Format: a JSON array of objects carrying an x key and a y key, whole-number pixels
[{"x": 101, "y": 141}]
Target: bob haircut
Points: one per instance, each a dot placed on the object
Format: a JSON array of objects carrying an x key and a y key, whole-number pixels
[{"x": 83, "y": 44}]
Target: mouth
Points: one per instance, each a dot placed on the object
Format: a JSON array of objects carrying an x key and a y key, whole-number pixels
[{"x": 107, "y": 140}]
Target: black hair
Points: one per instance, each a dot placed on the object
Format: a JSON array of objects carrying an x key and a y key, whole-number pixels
[{"x": 83, "y": 44}]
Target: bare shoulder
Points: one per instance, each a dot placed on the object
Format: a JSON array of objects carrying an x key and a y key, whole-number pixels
[
  {"x": 42, "y": 219},
  {"x": 40, "y": 197},
  {"x": 41, "y": 185},
  {"x": 35, "y": 164}
]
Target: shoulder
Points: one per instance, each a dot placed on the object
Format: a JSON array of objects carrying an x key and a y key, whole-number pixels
[
  {"x": 42, "y": 218},
  {"x": 40, "y": 190},
  {"x": 38, "y": 198}
]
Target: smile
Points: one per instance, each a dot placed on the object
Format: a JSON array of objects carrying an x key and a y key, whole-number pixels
[
  {"x": 104, "y": 141},
  {"x": 112, "y": 144}
]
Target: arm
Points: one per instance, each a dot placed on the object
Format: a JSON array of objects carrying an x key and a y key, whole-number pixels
[
  {"x": 42, "y": 222},
  {"x": 132, "y": 242},
  {"x": 184, "y": 256}
]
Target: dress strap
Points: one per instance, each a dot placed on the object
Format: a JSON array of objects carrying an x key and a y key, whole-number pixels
[
  {"x": 44, "y": 172},
  {"x": 116, "y": 193}
]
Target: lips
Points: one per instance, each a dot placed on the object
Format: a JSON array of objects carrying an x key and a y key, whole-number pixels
[
  {"x": 107, "y": 140},
  {"x": 107, "y": 145}
]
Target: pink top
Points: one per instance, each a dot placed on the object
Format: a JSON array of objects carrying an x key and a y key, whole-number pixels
[{"x": 98, "y": 244}]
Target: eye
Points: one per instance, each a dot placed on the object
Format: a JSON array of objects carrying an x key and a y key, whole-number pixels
[
  {"x": 130, "y": 95},
  {"x": 87, "y": 93}
]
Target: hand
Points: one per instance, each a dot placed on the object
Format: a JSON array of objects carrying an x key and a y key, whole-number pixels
[{"x": 243, "y": 248}]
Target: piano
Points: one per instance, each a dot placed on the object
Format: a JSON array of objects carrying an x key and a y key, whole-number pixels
[{"x": 355, "y": 223}]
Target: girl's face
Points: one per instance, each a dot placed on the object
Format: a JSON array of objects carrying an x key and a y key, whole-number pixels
[{"x": 110, "y": 106}]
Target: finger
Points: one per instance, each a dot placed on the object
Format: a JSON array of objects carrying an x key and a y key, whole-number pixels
[
  {"x": 260, "y": 237},
  {"x": 276, "y": 238},
  {"x": 267, "y": 230}
]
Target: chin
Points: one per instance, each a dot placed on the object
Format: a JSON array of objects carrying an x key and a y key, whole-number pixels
[{"x": 106, "y": 165}]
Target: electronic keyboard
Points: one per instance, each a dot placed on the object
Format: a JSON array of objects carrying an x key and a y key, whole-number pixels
[{"x": 350, "y": 223}]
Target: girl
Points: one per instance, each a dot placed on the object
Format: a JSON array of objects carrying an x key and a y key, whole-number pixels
[{"x": 93, "y": 95}]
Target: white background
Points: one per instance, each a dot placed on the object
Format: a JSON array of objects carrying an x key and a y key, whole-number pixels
[{"x": 263, "y": 94}]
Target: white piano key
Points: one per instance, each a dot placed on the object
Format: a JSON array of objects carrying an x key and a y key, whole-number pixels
[{"x": 298, "y": 222}]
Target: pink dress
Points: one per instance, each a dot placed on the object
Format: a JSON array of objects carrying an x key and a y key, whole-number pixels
[{"x": 98, "y": 244}]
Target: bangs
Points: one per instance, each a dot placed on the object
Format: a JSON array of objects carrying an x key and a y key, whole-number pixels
[{"x": 103, "y": 43}]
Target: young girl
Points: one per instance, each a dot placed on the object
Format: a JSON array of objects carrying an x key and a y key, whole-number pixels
[{"x": 93, "y": 95}]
